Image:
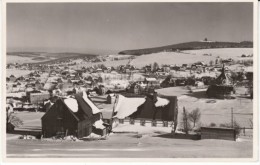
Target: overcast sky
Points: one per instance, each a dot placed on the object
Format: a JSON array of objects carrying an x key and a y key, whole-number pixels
[{"x": 111, "y": 27}]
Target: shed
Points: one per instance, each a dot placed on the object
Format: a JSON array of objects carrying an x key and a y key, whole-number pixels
[{"x": 218, "y": 133}]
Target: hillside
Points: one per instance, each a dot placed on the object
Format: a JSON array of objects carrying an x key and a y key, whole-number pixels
[
  {"x": 179, "y": 58},
  {"x": 43, "y": 57},
  {"x": 189, "y": 46}
]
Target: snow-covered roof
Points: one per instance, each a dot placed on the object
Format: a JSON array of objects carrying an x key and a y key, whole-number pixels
[
  {"x": 161, "y": 102},
  {"x": 72, "y": 104},
  {"x": 94, "y": 108},
  {"x": 18, "y": 95},
  {"x": 150, "y": 79},
  {"x": 126, "y": 106}
]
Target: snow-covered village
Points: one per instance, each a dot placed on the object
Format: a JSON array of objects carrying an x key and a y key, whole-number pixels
[{"x": 192, "y": 99}]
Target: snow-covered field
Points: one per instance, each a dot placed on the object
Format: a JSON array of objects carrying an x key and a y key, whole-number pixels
[
  {"x": 18, "y": 59},
  {"x": 223, "y": 52},
  {"x": 191, "y": 56},
  {"x": 17, "y": 72},
  {"x": 178, "y": 58},
  {"x": 27, "y": 59}
]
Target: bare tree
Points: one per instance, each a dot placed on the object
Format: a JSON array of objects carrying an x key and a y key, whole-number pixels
[
  {"x": 11, "y": 119},
  {"x": 211, "y": 62},
  {"x": 251, "y": 123},
  {"x": 155, "y": 66},
  {"x": 185, "y": 121},
  {"x": 216, "y": 61},
  {"x": 194, "y": 116}
]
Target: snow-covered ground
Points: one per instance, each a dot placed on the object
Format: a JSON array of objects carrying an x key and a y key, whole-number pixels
[
  {"x": 216, "y": 111},
  {"x": 191, "y": 56},
  {"x": 17, "y": 72}
]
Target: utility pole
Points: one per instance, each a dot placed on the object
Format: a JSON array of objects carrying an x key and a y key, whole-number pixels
[
  {"x": 185, "y": 122},
  {"x": 232, "y": 122}
]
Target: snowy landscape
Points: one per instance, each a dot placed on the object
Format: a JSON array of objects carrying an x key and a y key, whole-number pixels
[{"x": 103, "y": 85}]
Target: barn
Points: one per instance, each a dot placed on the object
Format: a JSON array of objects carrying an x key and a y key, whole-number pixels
[{"x": 76, "y": 116}]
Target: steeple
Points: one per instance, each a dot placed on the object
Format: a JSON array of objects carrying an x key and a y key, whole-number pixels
[{"x": 223, "y": 79}]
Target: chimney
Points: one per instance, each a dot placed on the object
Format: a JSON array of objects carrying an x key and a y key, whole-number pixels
[{"x": 155, "y": 97}]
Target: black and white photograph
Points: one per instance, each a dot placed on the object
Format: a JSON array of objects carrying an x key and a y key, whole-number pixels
[{"x": 130, "y": 80}]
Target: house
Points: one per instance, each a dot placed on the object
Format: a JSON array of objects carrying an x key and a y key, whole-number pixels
[
  {"x": 56, "y": 92},
  {"x": 30, "y": 85},
  {"x": 175, "y": 68},
  {"x": 166, "y": 68},
  {"x": 21, "y": 78},
  {"x": 148, "y": 68},
  {"x": 18, "y": 83},
  {"x": 184, "y": 67},
  {"x": 37, "y": 98},
  {"x": 28, "y": 107},
  {"x": 72, "y": 116},
  {"x": 99, "y": 70},
  {"x": 38, "y": 85},
  {"x": 149, "y": 107},
  {"x": 169, "y": 81},
  {"x": 227, "y": 61},
  {"x": 198, "y": 65},
  {"x": 49, "y": 86},
  {"x": 65, "y": 73},
  {"x": 31, "y": 74},
  {"x": 12, "y": 78},
  {"x": 151, "y": 81},
  {"x": 16, "y": 95},
  {"x": 59, "y": 80},
  {"x": 114, "y": 72},
  {"x": 99, "y": 80},
  {"x": 249, "y": 76},
  {"x": 151, "y": 84},
  {"x": 89, "y": 78},
  {"x": 32, "y": 79},
  {"x": 37, "y": 75},
  {"x": 135, "y": 88},
  {"x": 91, "y": 69},
  {"x": 142, "y": 70},
  {"x": 127, "y": 71}
]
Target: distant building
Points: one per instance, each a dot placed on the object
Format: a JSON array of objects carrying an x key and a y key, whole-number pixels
[
  {"x": 37, "y": 98},
  {"x": 222, "y": 88},
  {"x": 12, "y": 78}
]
